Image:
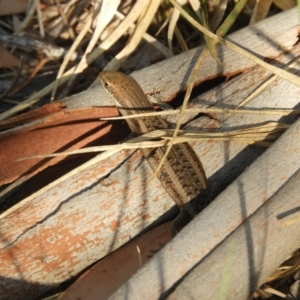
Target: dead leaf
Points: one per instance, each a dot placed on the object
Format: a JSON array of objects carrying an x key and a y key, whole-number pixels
[
  {"x": 7, "y": 60},
  {"x": 100, "y": 281},
  {"x": 285, "y": 4},
  {"x": 58, "y": 131},
  {"x": 261, "y": 10},
  {"x": 11, "y": 7}
]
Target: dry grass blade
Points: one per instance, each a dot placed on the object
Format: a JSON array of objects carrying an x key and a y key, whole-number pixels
[
  {"x": 248, "y": 135},
  {"x": 172, "y": 25},
  {"x": 104, "y": 17},
  {"x": 260, "y": 10},
  {"x": 106, "y": 44},
  {"x": 39, "y": 16},
  {"x": 276, "y": 293},
  {"x": 216, "y": 38},
  {"x": 181, "y": 40},
  {"x": 183, "y": 107},
  {"x": 67, "y": 58},
  {"x": 132, "y": 16},
  {"x": 150, "y": 39},
  {"x": 292, "y": 63},
  {"x": 64, "y": 19},
  {"x": 294, "y": 79},
  {"x": 218, "y": 7},
  {"x": 210, "y": 45},
  {"x": 28, "y": 18},
  {"x": 281, "y": 112},
  {"x": 125, "y": 24},
  {"x": 137, "y": 36},
  {"x": 101, "y": 148},
  {"x": 284, "y": 271}
]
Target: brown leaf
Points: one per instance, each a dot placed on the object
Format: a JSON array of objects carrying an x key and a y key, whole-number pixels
[
  {"x": 11, "y": 7},
  {"x": 59, "y": 131},
  {"x": 7, "y": 60},
  {"x": 100, "y": 281},
  {"x": 32, "y": 115},
  {"x": 285, "y": 4}
]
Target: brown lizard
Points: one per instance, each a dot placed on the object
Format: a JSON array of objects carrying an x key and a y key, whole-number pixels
[{"x": 182, "y": 174}]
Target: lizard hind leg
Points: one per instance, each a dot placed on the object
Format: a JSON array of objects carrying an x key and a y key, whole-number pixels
[{"x": 185, "y": 216}]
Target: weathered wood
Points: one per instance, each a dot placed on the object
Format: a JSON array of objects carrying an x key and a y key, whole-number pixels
[
  {"x": 239, "y": 239},
  {"x": 253, "y": 252},
  {"x": 52, "y": 235},
  {"x": 118, "y": 266}
]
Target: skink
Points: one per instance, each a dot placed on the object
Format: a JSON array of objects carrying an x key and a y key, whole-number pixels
[{"x": 182, "y": 174}]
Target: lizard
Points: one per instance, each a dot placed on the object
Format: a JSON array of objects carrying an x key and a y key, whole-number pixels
[{"x": 182, "y": 174}]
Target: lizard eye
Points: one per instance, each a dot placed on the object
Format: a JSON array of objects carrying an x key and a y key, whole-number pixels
[{"x": 105, "y": 84}]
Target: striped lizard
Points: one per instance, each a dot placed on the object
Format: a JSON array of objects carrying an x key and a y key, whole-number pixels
[{"x": 182, "y": 174}]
